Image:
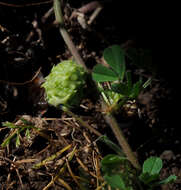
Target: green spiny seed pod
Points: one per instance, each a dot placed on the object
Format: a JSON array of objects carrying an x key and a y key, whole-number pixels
[{"x": 65, "y": 83}]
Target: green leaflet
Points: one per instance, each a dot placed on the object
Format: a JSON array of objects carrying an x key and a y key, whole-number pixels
[
  {"x": 152, "y": 165},
  {"x": 115, "y": 57},
  {"x": 103, "y": 74}
]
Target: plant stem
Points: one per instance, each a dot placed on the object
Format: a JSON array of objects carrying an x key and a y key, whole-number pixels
[
  {"x": 65, "y": 35},
  {"x": 120, "y": 137},
  {"x": 108, "y": 117}
]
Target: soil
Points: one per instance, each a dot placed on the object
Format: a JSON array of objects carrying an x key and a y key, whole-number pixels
[{"x": 30, "y": 44}]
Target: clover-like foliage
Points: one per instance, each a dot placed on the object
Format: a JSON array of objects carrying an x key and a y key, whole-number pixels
[{"x": 121, "y": 87}]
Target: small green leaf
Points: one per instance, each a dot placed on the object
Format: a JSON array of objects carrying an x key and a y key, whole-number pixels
[
  {"x": 151, "y": 170},
  {"x": 112, "y": 159},
  {"x": 152, "y": 165},
  {"x": 17, "y": 141},
  {"x": 103, "y": 74},
  {"x": 115, "y": 181},
  {"x": 27, "y": 134},
  {"x": 115, "y": 57},
  {"x": 170, "y": 179}
]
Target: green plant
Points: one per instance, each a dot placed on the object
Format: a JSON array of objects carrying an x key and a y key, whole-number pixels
[
  {"x": 118, "y": 86},
  {"x": 17, "y": 130},
  {"x": 108, "y": 117},
  {"x": 65, "y": 83},
  {"x": 151, "y": 171},
  {"x": 118, "y": 173}
]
